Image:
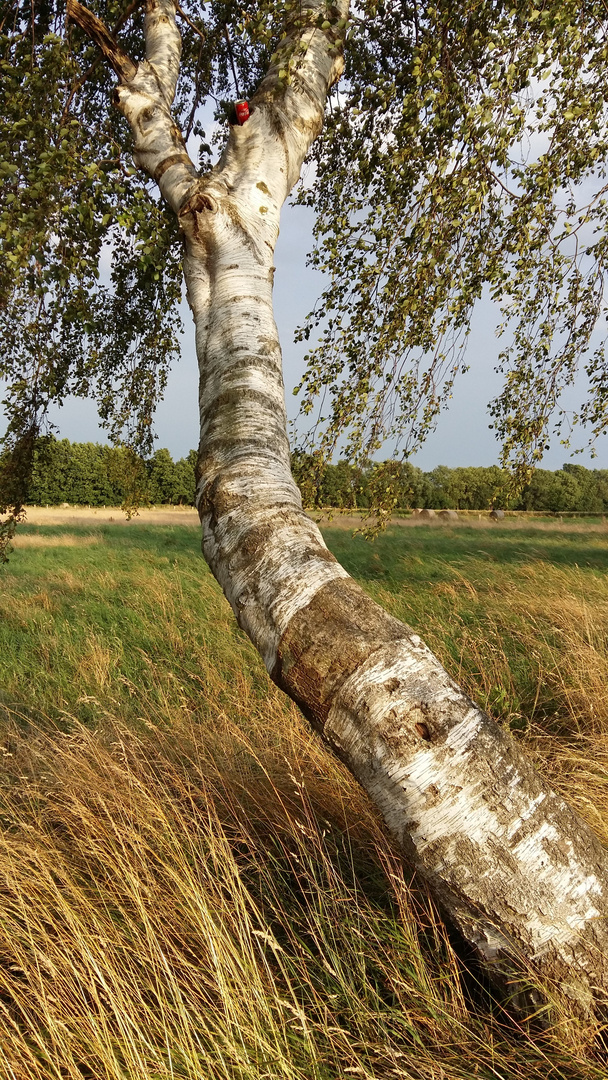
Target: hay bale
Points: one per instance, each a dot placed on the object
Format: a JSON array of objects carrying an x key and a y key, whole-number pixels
[
  {"x": 497, "y": 515},
  {"x": 448, "y": 515},
  {"x": 426, "y": 514}
]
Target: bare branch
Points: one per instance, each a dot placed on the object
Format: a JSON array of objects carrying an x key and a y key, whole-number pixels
[{"x": 184, "y": 15}]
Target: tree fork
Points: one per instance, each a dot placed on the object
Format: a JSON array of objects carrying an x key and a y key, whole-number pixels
[{"x": 523, "y": 878}]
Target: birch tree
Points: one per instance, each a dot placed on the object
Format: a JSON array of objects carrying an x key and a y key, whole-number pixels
[{"x": 516, "y": 872}]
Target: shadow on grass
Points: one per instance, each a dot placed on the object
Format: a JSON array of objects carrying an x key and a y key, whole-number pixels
[{"x": 141, "y": 536}]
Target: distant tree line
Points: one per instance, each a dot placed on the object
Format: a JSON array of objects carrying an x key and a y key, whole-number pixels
[
  {"x": 345, "y": 486},
  {"x": 93, "y": 475},
  {"x": 88, "y": 474}
]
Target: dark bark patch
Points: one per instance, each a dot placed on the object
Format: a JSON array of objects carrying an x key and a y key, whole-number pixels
[
  {"x": 249, "y": 361},
  {"x": 237, "y": 397},
  {"x": 327, "y": 641},
  {"x": 217, "y": 499},
  {"x": 220, "y": 445},
  {"x": 268, "y": 346},
  {"x": 198, "y": 203},
  {"x": 174, "y": 159}
]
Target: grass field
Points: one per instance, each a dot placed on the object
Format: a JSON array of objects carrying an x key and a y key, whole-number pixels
[{"x": 191, "y": 886}]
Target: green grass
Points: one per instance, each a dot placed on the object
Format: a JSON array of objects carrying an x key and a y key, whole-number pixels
[
  {"x": 191, "y": 885},
  {"x": 94, "y": 618}
]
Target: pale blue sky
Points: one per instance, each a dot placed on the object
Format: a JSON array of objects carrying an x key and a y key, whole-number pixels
[{"x": 462, "y": 436}]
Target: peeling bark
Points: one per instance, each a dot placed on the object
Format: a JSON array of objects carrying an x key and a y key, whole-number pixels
[{"x": 513, "y": 867}]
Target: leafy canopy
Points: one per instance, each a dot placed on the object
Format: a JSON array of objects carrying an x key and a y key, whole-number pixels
[{"x": 465, "y": 148}]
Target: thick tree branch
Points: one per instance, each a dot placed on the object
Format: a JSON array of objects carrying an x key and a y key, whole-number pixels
[
  {"x": 93, "y": 27},
  {"x": 163, "y": 45},
  {"x": 86, "y": 75},
  {"x": 146, "y": 103},
  {"x": 145, "y": 95},
  {"x": 289, "y": 107}
]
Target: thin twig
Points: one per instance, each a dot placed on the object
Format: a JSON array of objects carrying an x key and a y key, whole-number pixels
[
  {"x": 192, "y": 25},
  {"x": 236, "y": 81}
]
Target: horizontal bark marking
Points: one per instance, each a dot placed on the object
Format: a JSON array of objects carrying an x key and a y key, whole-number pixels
[
  {"x": 242, "y": 360},
  {"x": 246, "y": 286},
  {"x": 292, "y": 542},
  {"x": 244, "y": 498},
  {"x": 249, "y": 437},
  {"x": 327, "y": 641},
  {"x": 243, "y": 397},
  {"x": 235, "y": 326},
  {"x": 170, "y": 161},
  {"x": 261, "y": 361},
  {"x": 260, "y": 472},
  {"x": 248, "y": 430}
]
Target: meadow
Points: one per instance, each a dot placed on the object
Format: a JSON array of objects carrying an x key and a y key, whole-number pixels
[{"x": 192, "y": 886}]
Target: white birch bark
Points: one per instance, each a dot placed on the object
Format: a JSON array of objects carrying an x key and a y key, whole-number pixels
[{"x": 523, "y": 879}]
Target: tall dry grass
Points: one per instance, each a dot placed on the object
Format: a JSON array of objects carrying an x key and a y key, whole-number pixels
[
  {"x": 192, "y": 887},
  {"x": 558, "y": 706},
  {"x": 181, "y": 904}
]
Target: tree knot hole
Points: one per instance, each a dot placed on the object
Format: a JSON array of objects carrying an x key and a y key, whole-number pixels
[{"x": 198, "y": 203}]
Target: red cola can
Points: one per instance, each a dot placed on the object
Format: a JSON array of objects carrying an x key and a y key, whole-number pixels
[{"x": 242, "y": 111}]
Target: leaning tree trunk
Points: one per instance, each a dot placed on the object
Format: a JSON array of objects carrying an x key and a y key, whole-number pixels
[{"x": 519, "y": 874}]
